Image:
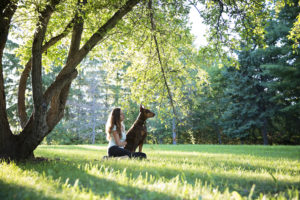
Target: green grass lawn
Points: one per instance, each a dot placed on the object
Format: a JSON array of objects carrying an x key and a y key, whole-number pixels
[{"x": 170, "y": 172}]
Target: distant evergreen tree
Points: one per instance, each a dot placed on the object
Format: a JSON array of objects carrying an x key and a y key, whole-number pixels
[
  {"x": 249, "y": 102},
  {"x": 263, "y": 94},
  {"x": 284, "y": 66}
]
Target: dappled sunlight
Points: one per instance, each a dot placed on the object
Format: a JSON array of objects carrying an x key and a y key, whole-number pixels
[
  {"x": 175, "y": 185},
  {"x": 166, "y": 174},
  {"x": 96, "y": 147},
  {"x": 83, "y": 181},
  {"x": 210, "y": 172}
]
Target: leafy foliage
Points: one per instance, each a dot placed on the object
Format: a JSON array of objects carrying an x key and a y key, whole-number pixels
[{"x": 243, "y": 83}]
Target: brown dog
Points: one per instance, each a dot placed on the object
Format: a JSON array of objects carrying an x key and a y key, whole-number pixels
[{"x": 137, "y": 133}]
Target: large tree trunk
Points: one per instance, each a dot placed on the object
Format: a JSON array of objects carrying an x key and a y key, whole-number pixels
[
  {"x": 7, "y": 9},
  {"x": 49, "y": 105}
]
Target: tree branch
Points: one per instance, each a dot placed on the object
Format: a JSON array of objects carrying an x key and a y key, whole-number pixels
[
  {"x": 25, "y": 74},
  {"x": 59, "y": 89},
  {"x": 40, "y": 107},
  {"x": 75, "y": 56},
  {"x": 159, "y": 57},
  {"x": 101, "y": 32},
  {"x": 57, "y": 103}
]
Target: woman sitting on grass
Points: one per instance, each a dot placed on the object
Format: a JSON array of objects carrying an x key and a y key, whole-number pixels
[{"x": 116, "y": 136}]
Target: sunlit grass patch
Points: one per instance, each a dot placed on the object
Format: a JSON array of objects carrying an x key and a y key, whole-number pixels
[{"x": 170, "y": 172}]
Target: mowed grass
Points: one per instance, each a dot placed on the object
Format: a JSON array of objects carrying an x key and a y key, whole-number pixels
[{"x": 170, "y": 172}]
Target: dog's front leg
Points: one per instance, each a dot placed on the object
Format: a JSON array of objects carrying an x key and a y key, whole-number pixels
[{"x": 140, "y": 147}]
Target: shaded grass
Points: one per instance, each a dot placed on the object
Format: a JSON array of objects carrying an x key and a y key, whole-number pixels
[{"x": 170, "y": 172}]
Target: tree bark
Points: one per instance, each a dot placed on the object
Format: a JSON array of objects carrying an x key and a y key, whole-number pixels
[
  {"x": 25, "y": 75},
  {"x": 40, "y": 106},
  {"x": 7, "y": 10},
  {"x": 59, "y": 98},
  {"x": 35, "y": 130}
]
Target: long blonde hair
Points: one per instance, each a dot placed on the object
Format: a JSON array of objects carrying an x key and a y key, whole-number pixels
[{"x": 113, "y": 119}]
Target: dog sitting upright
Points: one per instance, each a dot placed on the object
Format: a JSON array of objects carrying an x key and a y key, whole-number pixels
[{"x": 137, "y": 133}]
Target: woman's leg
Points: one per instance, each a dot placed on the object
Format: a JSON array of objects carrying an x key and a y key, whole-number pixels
[{"x": 116, "y": 151}]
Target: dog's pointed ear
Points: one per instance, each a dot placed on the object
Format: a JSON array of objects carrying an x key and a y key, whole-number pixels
[{"x": 141, "y": 107}]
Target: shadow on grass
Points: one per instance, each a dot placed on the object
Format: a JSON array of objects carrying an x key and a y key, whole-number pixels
[
  {"x": 222, "y": 181},
  {"x": 231, "y": 178},
  {"x": 70, "y": 172},
  {"x": 245, "y": 164},
  {"x": 15, "y": 191}
]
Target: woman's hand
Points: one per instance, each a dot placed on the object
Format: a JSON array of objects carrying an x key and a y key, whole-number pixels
[{"x": 123, "y": 144}]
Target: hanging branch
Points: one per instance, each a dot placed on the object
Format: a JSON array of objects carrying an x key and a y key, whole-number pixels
[
  {"x": 159, "y": 57},
  {"x": 163, "y": 71}
]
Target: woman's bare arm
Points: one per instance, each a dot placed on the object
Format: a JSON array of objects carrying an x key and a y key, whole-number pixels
[{"x": 117, "y": 139}]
